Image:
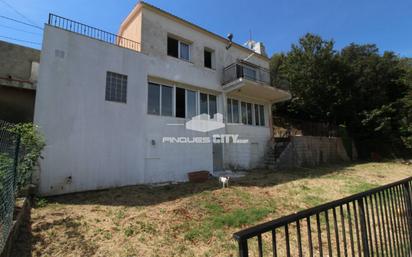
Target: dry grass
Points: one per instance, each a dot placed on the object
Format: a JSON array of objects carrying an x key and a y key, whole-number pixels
[{"x": 191, "y": 219}]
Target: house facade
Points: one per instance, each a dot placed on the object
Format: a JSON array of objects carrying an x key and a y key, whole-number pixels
[{"x": 114, "y": 108}]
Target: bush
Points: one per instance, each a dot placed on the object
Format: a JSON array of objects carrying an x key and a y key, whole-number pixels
[{"x": 31, "y": 145}]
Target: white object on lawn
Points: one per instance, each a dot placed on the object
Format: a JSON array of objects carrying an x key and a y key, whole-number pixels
[{"x": 224, "y": 181}]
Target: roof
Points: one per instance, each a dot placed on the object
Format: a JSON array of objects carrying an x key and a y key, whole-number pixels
[{"x": 190, "y": 24}]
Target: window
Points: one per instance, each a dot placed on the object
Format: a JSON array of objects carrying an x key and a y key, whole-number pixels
[
  {"x": 262, "y": 115},
  {"x": 249, "y": 114},
  {"x": 229, "y": 111},
  {"x": 153, "y": 102},
  {"x": 116, "y": 87},
  {"x": 180, "y": 102},
  {"x": 178, "y": 49},
  {"x": 173, "y": 47},
  {"x": 212, "y": 105},
  {"x": 208, "y": 58},
  {"x": 191, "y": 103},
  {"x": 235, "y": 107},
  {"x": 203, "y": 104},
  {"x": 184, "y": 51},
  {"x": 259, "y": 115},
  {"x": 244, "y": 113},
  {"x": 167, "y": 101}
]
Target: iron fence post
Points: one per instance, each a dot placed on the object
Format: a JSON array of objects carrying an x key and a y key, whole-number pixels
[
  {"x": 363, "y": 228},
  {"x": 408, "y": 208},
  {"x": 243, "y": 248},
  {"x": 16, "y": 162}
]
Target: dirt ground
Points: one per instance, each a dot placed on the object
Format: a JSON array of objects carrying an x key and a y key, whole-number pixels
[{"x": 189, "y": 219}]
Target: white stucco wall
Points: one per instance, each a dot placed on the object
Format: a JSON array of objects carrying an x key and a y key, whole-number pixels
[{"x": 100, "y": 144}]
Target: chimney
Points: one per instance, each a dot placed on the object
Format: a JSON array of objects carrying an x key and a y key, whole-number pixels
[{"x": 257, "y": 47}]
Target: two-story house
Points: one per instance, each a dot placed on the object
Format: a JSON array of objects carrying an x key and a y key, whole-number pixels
[{"x": 106, "y": 102}]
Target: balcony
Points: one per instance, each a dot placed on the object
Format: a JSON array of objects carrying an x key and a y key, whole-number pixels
[
  {"x": 91, "y": 32},
  {"x": 248, "y": 80}
]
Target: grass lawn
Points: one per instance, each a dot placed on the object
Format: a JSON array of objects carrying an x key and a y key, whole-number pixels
[{"x": 191, "y": 219}]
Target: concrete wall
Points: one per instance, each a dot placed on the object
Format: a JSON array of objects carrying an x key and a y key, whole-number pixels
[
  {"x": 16, "y": 61},
  {"x": 312, "y": 151},
  {"x": 93, "y": 143},
  {"x": 18, "y": 78}
]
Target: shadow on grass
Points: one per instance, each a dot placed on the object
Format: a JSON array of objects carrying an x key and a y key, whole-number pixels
[{"x": 145, "y": 195}]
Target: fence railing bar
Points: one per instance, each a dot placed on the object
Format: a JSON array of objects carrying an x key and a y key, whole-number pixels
[
  {"x": 408, "y": 205},
  {"x": 352, "y": 246},
  {"x": 358, "y": 240},
  {"x": 328, "y": 234},
  {"x": 375, "y": 233},
  {"x": 408, "y": 232},
  {"x": 391, "y": 223},
  {"x": 274, "y": 246},
  {"x": 336, "y": 229},
  {"x": 287, "y": 240},
  {"x": 369, "y": 227},
  {"x": 299, "y": 238},
  {"x": 402, "y": 224},
  {"x": 310, "y": 243},
  {"x": 382, "y": 222},
  {"x": 319, "y": 230},
  {"x": 342, "y": 219},
  {"x": 395, "y": 224},
  {"x": 260, "y": 245},
  {"x": 363, "y": 228},
  {"x": 388, "y": 223},
  {"x": 378, "y": 223}
]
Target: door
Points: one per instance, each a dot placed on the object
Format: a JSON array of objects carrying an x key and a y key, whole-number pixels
[{"x": 217, "y": 157}]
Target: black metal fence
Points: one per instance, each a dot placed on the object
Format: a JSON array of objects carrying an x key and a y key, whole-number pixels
[
  {"x": 9, "y": 152},
  {"x": 377, "y": 222},
  {"x": 240, "y": 70},
  {"x": 85, "y": 30}
]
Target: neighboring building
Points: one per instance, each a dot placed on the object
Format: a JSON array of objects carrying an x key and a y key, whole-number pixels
[
  {"x": 106, "y": 105},
  {"x": 18, "y": 78}
]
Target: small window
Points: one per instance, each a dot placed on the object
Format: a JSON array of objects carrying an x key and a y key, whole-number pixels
[
  {"x": 173, "y": 47},
  {"x": 116, "y": 87},
  {"x": 178, "y": 49},
  {"x": 184, "y": 51},
  {"x": 180, "y": 102},
  {"x": 208, "y": 58},
  {"x": 244, "y": 113},
  {"x": 153, "y": 101}
]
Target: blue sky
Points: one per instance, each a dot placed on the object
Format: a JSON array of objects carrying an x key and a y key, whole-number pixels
[{"x": 277, "y": 23}]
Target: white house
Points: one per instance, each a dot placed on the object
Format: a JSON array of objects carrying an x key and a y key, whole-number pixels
[{"x": 113, "y": 108}]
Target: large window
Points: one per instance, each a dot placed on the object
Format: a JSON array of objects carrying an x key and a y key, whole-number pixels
[
  {"x": 250, "y": 114},
  {"x": 184, "y": 103},
  {"x": 153, "y": 101},
  {"x": 167, "y": 101},
  {"x": 208, "y": 104},
  {"x": 178, "y": 49},
  {"x": 160, "y": 100},
  {"x": 116, "y": 87}
]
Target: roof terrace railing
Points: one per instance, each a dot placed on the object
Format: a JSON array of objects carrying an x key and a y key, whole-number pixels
[{"x": 95, "y": 33}]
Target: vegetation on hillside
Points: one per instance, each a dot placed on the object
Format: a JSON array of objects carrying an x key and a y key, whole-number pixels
[{"x": 367, "y": 91}]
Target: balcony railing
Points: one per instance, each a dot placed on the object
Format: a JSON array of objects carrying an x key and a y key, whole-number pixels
[
  {"x": 88, "y": 31},
  {"x": 240, "y": 70}
]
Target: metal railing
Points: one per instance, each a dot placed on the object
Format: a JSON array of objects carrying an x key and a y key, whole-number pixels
[
  {"x": 88, "y": 31},
  {"x": 240, "y": 70},
  {"x": 377, "y": 222}
]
